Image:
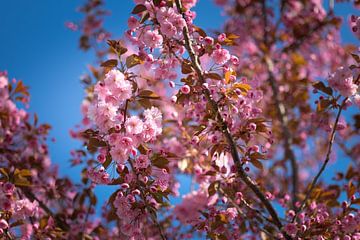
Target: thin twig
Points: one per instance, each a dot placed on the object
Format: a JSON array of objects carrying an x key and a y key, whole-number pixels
[
  {"x": 62, "y": 224},
  {"x": 234, "y": 204},
  {"x": 331, "y": 141},
  {"x": 299, "y": 41}
]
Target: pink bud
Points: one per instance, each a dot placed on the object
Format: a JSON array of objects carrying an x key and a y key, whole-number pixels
[
  {"x": 153, "y": 189},
  {"x": 222, "y": 37},
  {"x": 145, "y": 179},
  {"x": 185, "y": 89},
  {"x": 136, "y": 192},
  {"x": 101, "y": 158},
  {"x": 173, "y": 99},
  {"x": 252, "y": 126},
  {"x": 131, "y": 198},
  {"x": 195, "y": 140},
  {"x": 209, "y": 40},
  {"x": 239, "y": 195},
  {"x": 3, "y": 224},
  {"x": 234, "y": 60}
]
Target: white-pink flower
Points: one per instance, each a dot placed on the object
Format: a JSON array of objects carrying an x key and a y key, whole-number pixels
[
  {"x": 152, "y": 39},
  {"x": 134, "y": 125},
  {"x": 221, "y": 56}
]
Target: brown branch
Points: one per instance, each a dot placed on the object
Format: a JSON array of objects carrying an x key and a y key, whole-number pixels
[
  {"x": 327, "y": 159},
  {"x": 8, "y": 234},
  {"x": 62, "y": 224},
  {"x": 234, "y": 204},
  {"x": 223, "y": 126},
  {"x": 281, "y": 114},
  {"x": 299, "y": 41}
]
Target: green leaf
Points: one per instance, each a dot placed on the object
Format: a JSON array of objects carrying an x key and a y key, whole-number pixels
[
  {"x": 25, "y": 173},
  {"x": 323, "y": 104},
  {"x": 157, "y": 2},
  {"x": 143, "y": 149},
  {"x": 159, "y": 161},
  {"x": 21, "y": 181},
  {"x": 96, "y": 142},
  {"x": 145, "y": 102},
  {"x": 200, "y": 31},
  {"x": 110, "y": 63},
  {"x": 257, "y": 164},
  {"x": 213, "y": 188},
  {"x": 148, "y": 94},
  {"x": 117, "y": 47},
  {"x": 145, "y": 17},
  {"x": 356, "y": 57},
  {"x": 321, "y": 87},
  {"x": 107, "y": 161},
  {"x": 186, "y": 67},
  {"x": 133, "y": 60},
  {"x": 242, "y": 86},
  {"x": 213, "y": 76},
  {"x": 351, "y": 189},
  {"x": 138, "y": 9}
]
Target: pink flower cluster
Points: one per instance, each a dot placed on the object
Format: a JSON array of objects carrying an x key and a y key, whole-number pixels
[
  {"x": 20, "y": 209},
  {"x": 188, "y": 212},
  {"x": 99, "y": 176},
  {"x": 171, "y": 23},
  {"x": 342, "y": 80},
  {"x": 318, "y": 217},
  {"x": 110, "y": 94},
  {"x": 220, "y": 55},
  {"x": 137, "y": 131}
]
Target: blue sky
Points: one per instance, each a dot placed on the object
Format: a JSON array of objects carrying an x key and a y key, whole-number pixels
[{"x": 36, "y": 47}]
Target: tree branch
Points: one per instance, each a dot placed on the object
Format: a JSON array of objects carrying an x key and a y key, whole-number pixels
[
  {"x": 331, "y": 141},
  {"x": 299, "y": 41},
  {"x": 62, "y": 224},
  {"x": 281, "y": 114},
  {"x": 224, "y": 128}
]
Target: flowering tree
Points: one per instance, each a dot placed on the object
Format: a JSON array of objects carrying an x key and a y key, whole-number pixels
[{"x": 253, "y": 113}]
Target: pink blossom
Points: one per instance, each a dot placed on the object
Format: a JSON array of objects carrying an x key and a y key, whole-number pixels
[
  {"x": 168, "y": 29},
  {"x": 221, "y": 56},
  {"x": 189, "y": 3},
  {"x": 290, "y": 229},
  {"x": 162, "y": 180},
  {"x": 134, "y": 125},
  {"x": 192, "y": 203},
  {"x": 3, "y": 81},
  {"x": 133, "y": 22},
  {"x": 152, "y": 39},
  {"x": 165, "y": 15},
  {"x": 141, "y": 162},
  {"x": 185, "y": 89},
  {"x": 342, "y": 81}
]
